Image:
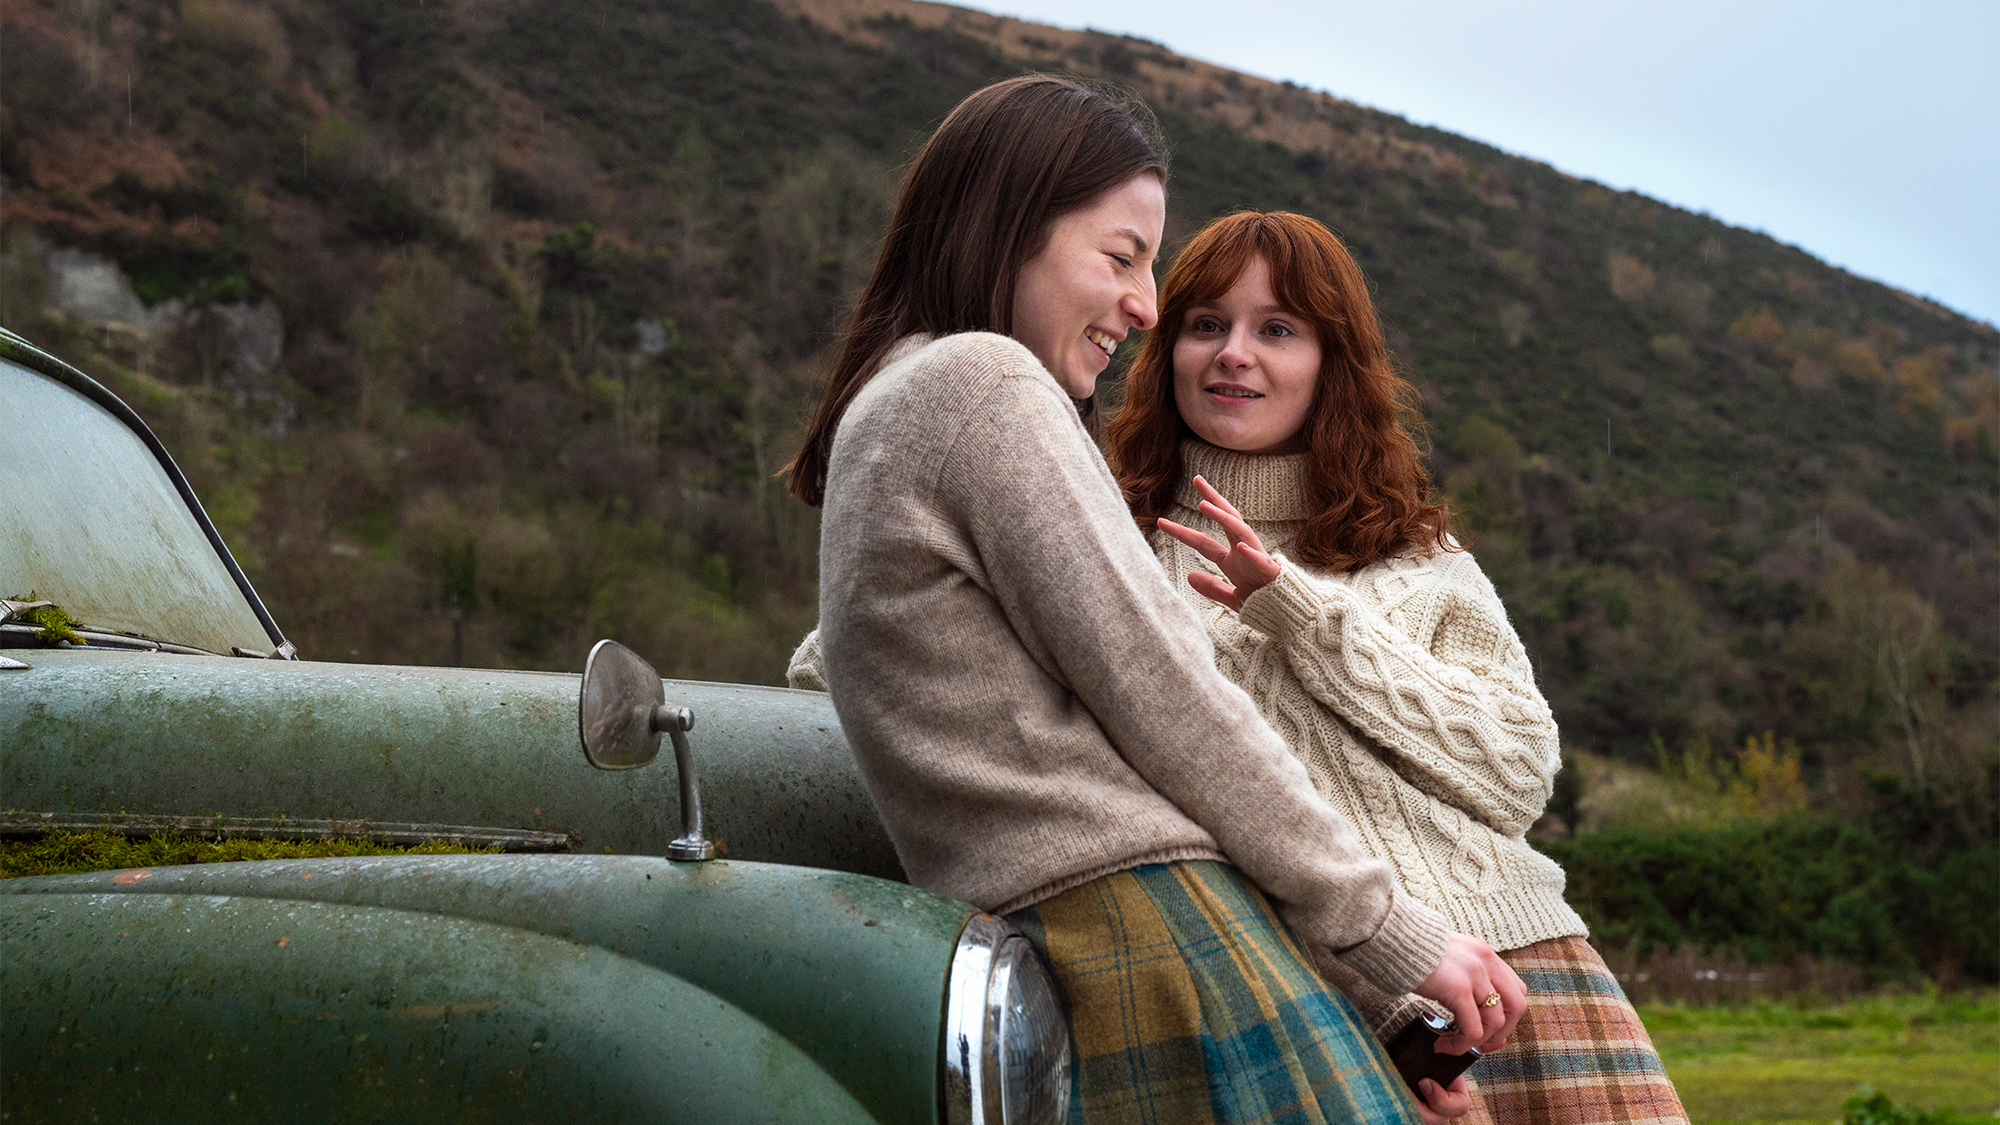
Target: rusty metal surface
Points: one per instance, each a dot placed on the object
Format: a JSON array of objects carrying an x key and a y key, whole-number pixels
[
  {"x": 850, "y": 970},
  {"x": 168, "y": 735},
  {"x": 205, "y": 1008},
  {"x": 15, "y": 822},
  {"x": 93, "y": 522}
]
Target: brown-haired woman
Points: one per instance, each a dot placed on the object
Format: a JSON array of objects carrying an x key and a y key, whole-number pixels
[
  {"x": 1033, "y": 707},
  {"x": 1335, "y": 596}
]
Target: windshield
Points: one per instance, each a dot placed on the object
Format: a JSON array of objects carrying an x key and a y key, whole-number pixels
[{"x": 91, "y": 521}]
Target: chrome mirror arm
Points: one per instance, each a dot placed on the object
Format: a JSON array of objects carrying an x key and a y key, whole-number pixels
[{"x": 692, "y": 845}]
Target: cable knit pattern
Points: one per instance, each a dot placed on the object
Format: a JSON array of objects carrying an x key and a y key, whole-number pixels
[
  {"x": 805, "y": 670},
  {"x": 1407, "y": 695}
]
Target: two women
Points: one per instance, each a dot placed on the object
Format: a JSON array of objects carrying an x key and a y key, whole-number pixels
[
  {"x": 1260, "y": 445},
  {"x": 1034, "y": 708}
]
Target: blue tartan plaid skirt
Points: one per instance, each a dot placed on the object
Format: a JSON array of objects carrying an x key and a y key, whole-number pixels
[{"x": 1191, "y": 1004}]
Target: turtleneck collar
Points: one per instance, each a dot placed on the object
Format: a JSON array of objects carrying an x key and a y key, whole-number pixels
[{"x": 1266, "y": 489}]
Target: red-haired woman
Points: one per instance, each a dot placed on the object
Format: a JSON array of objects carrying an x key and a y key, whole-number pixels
[{"x": 1335, "y": 596}]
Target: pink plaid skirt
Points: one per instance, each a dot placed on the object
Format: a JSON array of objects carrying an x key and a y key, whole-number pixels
[{"x": 1580, "y": 1053}]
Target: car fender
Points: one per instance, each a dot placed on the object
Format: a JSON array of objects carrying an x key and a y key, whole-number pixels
[
  {"x": 225, "y": 1008},
  {"x": 850, "y": 970}
]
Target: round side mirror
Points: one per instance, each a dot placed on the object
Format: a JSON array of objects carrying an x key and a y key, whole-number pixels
[{"x": 621, "y": 698}]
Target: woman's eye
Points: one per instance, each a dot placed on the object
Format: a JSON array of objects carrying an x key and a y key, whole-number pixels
[
  {"x": 1280, "y": 330},
  {"x": 1205, "y": 324},
  {"x": 1122, "y": 260}
]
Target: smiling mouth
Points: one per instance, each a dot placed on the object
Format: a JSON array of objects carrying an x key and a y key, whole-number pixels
[
  {"x": 1238, "y": 393},
  {"x": 1105, "y": 342}
]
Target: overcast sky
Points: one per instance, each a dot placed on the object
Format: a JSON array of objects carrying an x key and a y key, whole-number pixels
[{"x": 1866, "y": 133}]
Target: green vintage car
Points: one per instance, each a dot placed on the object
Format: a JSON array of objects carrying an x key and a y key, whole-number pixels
[{"x": 742, "y": 950}]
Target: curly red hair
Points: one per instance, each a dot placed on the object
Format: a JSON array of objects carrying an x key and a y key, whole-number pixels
[{"x": 1370, "y": 493}]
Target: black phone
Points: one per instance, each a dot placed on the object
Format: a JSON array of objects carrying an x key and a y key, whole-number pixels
[{"x": 1414, "y": 1051}]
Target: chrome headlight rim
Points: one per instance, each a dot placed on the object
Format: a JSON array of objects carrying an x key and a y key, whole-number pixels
[{"x": 991, "y": 964}]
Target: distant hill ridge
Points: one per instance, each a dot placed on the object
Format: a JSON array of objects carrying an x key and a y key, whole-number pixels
[
  {"x": 511, "y": 309},
  {"x": 1283, "y": 113},
  {"x": 1296, "y": 117}
]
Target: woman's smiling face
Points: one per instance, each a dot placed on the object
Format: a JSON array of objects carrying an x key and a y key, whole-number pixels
[
  {"x": 1093, "y": 283},
  {"x": 1245, "y": 368}
]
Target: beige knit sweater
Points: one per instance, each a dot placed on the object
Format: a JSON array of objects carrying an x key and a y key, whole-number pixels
[
  {"x": 1407, "y": 695},
  {"x": 1031, "y": 703}
]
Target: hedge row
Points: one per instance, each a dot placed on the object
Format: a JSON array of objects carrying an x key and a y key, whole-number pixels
[{"x": 1897, "y": 895}]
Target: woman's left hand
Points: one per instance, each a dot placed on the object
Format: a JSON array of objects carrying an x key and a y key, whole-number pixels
[
  {"x": 1243, "y": 562},
  {"x": 1438, "y": 1104}
]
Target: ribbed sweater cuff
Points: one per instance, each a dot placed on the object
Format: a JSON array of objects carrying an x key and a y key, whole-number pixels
[
  {"x": 1385, "y": 1021},
  {"x": 1405, "y": 949},
  {"x": 1286, "y": 604},
  {"x": 1516, "y": 917},
  {"x": 1385, "y": 1014}
]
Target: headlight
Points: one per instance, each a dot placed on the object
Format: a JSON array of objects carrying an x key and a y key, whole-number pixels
[{"x": 1006, "y": 1044}]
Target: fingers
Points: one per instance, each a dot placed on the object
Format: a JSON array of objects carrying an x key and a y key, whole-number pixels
[
  {"x": 1215, "y": 589},
  {"x": 1244, "y": 560},
  {"x": 1502, "y": 997},
  {"x": 1513, "y": 1003},
  {"x": 1216, "y": 498},
  {"x": 1253, "y": 568},
  {"x": 1233, "y": 525},
  {"x": 1218, "y": 508},
  {"x": 1493, "y": 1016},
  {"x": 1426, "y": 1090},
  {"x": 1204, "y": 545},
  {"x": 1463, "y": 982},
  {"x": 1247, "y": 564},
  {"x": 1445, "y": 1101},
  {"x": 1247, "y": 567},
  {"x": 1471, "y": 1022},
  {"x": 1483, "y": 994},
  {"x": 1505, "y": 996}
]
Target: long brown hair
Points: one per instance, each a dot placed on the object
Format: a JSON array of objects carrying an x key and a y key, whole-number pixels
[
  {"x": 1370, "y": 495},
  {"x": 975, "y": 206}
]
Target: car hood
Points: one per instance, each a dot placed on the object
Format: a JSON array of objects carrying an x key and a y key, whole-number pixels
[{"x": 88, "y": 735}]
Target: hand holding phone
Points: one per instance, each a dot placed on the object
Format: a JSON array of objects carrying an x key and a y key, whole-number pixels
[{"x": 1414, "y": 1051}]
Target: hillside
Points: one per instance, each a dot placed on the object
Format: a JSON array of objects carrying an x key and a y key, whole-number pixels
[{"x": 504, "y": 314}]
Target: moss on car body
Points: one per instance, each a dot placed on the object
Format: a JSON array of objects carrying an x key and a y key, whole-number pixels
[{"x": 68, "y": 853}]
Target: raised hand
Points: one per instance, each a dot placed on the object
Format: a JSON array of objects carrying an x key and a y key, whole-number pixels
[{"x": 1243, "y": 562}]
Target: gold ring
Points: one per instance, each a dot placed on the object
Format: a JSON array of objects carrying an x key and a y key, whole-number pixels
[{"x": 1490, "y": 1001}]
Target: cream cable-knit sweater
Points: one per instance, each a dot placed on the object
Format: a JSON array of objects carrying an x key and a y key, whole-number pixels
[
  {"x": 1406, "y": 693},
  {"x": 1030, "y": 702}
]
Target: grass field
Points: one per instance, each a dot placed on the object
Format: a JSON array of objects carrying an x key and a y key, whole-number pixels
[{"x": 1780, "y": 1063}]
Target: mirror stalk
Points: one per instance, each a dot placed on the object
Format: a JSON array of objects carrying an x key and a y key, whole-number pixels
[
  {"x": 692, "y": 845},
  {"x": 621, "y": 713}
]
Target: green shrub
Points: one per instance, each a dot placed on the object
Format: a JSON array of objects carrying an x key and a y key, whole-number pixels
[{"x": 1896, "y": 896}]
